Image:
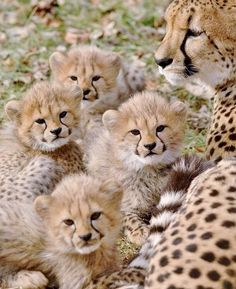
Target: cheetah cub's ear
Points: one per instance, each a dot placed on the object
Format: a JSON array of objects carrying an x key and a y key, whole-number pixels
[
  {"x": 113, "y": 193},
  {"x": 110, "y": 118},
  {"x": 180, "y": 108},
  {"x": 12, "y": 109},
  {"x": 57, "y": 60},
  {"x": 114, "y": 59},
  {"x": 42, "y": 204}
]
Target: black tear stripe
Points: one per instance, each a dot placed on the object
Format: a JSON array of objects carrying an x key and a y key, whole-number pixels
[
  {"x": 136, "y": 150},
  {"x": 45, "y": 127},
  {"x": 164, "y": 145},
  {"x": 95, "y": 228},
  {"x": 96, "y": 96},
  {"x": 190, "y": 69}
]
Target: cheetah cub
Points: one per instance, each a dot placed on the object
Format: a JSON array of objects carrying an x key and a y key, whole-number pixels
[
  {"x": 138, "y": 144},
  {"x": 37, "y": 146},
  {"x": 68, "y": 236},
  {"x": 106, "y": 80}
]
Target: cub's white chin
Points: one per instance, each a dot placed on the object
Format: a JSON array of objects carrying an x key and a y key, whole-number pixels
[
  {"x": 136, "y": 162},
  {"x": 48, "y": 147},
  {"x": 88, "y": 249}
]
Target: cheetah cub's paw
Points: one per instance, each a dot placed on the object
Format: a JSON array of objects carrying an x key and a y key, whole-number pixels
[
  {"x": 139, "y": 235},
  {"x": 28, "y": 280}
]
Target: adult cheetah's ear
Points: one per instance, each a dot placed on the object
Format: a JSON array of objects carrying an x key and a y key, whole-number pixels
[
  {"x": 42, "y": 204},
  {"x": 180, "y": 108},
  {"x": 57, "y": 60},
  {"x": 110, "y": 118},
  {"x": 12, "y": 109}
]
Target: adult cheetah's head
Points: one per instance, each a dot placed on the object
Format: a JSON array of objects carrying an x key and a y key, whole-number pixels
[
  {"x": 199, "y": 42},
  {"x": 46, "y": 118}
]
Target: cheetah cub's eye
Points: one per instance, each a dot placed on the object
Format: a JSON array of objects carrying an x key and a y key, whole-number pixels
[
  {"x": 160, "y": 128},
  {"x": 135, "y": 131},
  {"x": 69, "y": 222},
  {"x": 95, "y": 216},
  {"x": 96, "y": 78},
  {"x": 63, "y": 114},
  {"x": 73, "y": 77},
  {"x": 40, "y": 121},
  {"x": 194, "y": 33}
]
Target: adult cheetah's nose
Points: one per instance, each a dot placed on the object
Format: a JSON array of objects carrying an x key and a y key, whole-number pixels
[
  {"x": 56, "y": 131},
  {"x": 164, "y": 62}
]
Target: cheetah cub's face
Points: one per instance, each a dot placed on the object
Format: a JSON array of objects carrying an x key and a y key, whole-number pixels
[
  {"x": 146, "y": 130},
  {"x": 46, "y": 117},
  {"x": 82, "y": 214},
  {"x": 87, "y": 68}
]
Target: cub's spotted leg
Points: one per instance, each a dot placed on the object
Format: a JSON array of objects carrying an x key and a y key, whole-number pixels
[
  {"x": 126, "y": 278},
  {"x": 38, "y": 177},
  {"x": 135, "y": 228},
  {"x": 27, "y": 280}
]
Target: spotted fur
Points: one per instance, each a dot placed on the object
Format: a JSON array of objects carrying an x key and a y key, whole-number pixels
[
  {"x": 37, "y": 146},
  {"x": 68, "y": 236},
  {"x": 183, "y": 172},
  {"x": 137, "y": 145},
  {"x": 198, "y": 249},
  {"x": 200, "y": 44}
]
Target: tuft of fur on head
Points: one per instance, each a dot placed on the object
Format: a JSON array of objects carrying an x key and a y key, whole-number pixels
[
  {"x": 146, "y": 130},
  {"x": 82, "y": 215},
  {"x": 87, "y": 68},
  {"x": 46, "y": 118}
]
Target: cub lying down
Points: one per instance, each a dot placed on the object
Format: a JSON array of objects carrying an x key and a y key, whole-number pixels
[
  {"x": 139, "y": 142},
  {"x": 69, "y": 236}
]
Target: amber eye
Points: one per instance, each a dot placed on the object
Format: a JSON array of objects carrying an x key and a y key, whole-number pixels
[
  {"x": 135, "y": 131},
  {"x": 194, "y": 33},
  {"x": 96, "y": 78},
  {"x": 95, "y": 216},
  {"x": 160, "y": 128},
  {"x": 69, "y": 222},
  {"x": 63, "y": 114},
  {"x": 40, "y": 121},
  {"x": 73, "y": 77}
]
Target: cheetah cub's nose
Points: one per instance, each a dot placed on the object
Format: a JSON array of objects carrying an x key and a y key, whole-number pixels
[
  {"x": 150, "y": 146},
  {"x": 86, "y": 237},
  {"x": 56, "y": 131}
]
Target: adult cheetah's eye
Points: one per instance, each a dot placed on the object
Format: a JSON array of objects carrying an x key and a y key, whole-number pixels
[
  {"x": 96, "y": 78},
  {"x": 73, "y": 77},
  {"x": 63, "y": 114},
  {"x": 194, "y": 33},
  {"x": 160, "y": 128},
  {"x": 68, "y": 222},
  {"x": 40, "y": 121},
  {"x": 135, "y": 131},
  {"x": 95, "y": 216}
]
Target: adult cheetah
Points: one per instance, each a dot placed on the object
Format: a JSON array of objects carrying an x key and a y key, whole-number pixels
[{"x": 200, "y": 43}]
